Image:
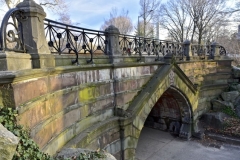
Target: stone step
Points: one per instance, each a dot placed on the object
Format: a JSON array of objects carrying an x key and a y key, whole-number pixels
[
  {"x": 215, "y": 79},
  {"x": 216, "y": 76},
  {"x": 213, "y": 86}
]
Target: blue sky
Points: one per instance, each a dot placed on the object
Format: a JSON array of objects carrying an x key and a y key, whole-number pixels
[{"x": 91, "y": 13}]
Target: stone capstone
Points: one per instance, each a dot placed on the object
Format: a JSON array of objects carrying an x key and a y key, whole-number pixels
[
  {"x": 8, "y": 143},
  {"x": 112, "y": 29},
  {"x": 33, "y": 31},
  {"x": 75, "y": 152},
  {"x": 31, "y": 6}
]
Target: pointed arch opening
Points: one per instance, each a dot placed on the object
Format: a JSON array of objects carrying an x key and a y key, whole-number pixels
[{"x": 172, "y": 112}]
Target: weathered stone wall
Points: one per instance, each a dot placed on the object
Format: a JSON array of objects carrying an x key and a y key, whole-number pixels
[
  {"x": 59, "y": 103},
  {"x": 100, "y": 105},
  {"x": 103, "y": 104},
  {"x": 211, "y": 77}
]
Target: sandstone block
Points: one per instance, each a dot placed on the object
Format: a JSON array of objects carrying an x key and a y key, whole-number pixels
[{"x": 8, "y": 143}]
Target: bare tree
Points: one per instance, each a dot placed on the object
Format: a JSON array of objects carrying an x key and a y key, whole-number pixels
[
  {"x": 192, "y": 19},
  {"x": 65, "y": 18},
  {"x": 50, "y": 4},
  {"x": 149, "y": 29},
  {"x": 204, "y": 13},
  {"x": 148, "y": 10},
  {"x": 121, "y": 21},
  {"x": 175, "y": 19},
  {"x": 56, "y": 6},
  {"x": 231, "y": 44}
]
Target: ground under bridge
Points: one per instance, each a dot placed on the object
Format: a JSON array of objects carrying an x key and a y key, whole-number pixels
[{"x": 76, "y": 87}]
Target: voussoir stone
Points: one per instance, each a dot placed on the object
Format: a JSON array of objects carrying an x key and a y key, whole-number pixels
[{"x": 8, "y": 143}]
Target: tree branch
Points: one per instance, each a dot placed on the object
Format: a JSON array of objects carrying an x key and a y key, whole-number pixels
[{"x": 47, "y": 3}]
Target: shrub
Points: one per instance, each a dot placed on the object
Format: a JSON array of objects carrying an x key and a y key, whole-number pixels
[
  {"x": 27, "y": 148},
  {"x": 229, "y": 111}
]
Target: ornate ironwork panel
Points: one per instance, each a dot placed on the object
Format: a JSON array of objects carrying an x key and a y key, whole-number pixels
[
  {"x": 68, "y": 39},
  {"x": 11, "y": 35},
  {"x": 222, "y": 51},
  {"x": 133, "y": 45},
  {"x": 206, "y": 50},
  {"x": 201, "y": 50},
  {"x": 63, "y": 38}
]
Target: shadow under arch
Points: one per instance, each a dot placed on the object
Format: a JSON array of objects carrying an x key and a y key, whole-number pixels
[
  {"x": 172, "y": 112},
  {"x": 171, "y": 95},
  {"x": 173, "y": 105}
]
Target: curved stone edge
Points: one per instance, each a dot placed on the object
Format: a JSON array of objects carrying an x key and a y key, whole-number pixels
[{"x": 8, "y": 143}]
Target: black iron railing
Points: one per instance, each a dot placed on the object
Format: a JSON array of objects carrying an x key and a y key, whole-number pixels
[
  {"x": 63, "y": 38},
  {"x": 134, "y": 45},
  {"x": 222, "y": 51},
  {"x": 204, "y": 51},
  {"x": 201, "y": 50},
  {"x": 67, "y": 39},
  {"x": 11, "y": 35}
]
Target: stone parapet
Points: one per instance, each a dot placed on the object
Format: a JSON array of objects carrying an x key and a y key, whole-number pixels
[{"x": 12, "y": 61}]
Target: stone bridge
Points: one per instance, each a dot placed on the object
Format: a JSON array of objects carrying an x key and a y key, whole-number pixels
[{"x": 101, "y": 95}]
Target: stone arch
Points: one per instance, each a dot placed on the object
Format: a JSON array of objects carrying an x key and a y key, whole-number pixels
[
  {"x": 167, "y": 80},
  {"x": 171, "y": 112},
  {"x": 134, "y": 127}
]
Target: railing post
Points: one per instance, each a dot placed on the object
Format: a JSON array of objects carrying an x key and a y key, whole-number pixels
[
  {"x": 33, "y": 27},
  {"x": 187, "y": 49},
  {"x": 112, "y": 48},
  {"x": 34, "y": 35},
  {"x": 214, "y": 50}
]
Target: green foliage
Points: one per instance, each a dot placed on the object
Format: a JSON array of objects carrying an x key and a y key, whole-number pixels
[
  {"x": 93, "y": 155},
  {"x": 27, "y": 148},
  {"x": 229, "y": 111}
]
